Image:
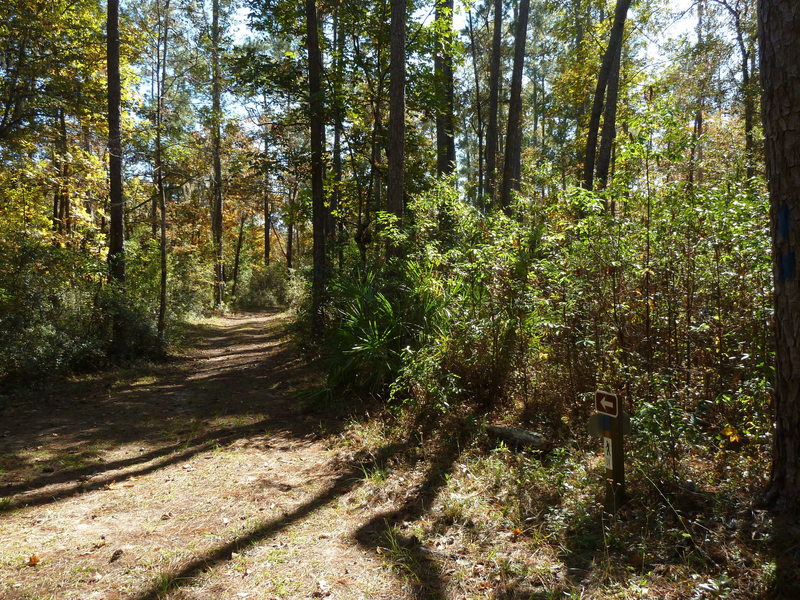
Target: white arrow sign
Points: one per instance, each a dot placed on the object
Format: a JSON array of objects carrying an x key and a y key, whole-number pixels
[{"x": 606, "y": 403}]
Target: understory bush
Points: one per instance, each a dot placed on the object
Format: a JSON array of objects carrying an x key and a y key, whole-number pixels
[
  {"x": 663, "y": 300},
  {"x": 57, "y": 308},
  {"x": 446, "y": 323}
]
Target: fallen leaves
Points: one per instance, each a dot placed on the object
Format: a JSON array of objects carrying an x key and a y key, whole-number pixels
[
  {"x": 34, "y": 560},
  {"x": 116, "y": 555}
]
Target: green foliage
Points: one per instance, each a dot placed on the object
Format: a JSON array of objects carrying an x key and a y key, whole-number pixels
[
  {"x": 364, "y": 347},
  {"x": 56, "y": 309},
  {"x": 444, "y": 324}
]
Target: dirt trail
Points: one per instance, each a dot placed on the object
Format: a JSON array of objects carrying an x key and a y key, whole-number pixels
[{"x": 200, "y": 478}]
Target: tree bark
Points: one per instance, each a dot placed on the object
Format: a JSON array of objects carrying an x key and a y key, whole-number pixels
[
  {"x": 289, "y": 244},
  {"x": 217, "y": 201},
  {"x": 237, "y": 253},
  {"x": 443, "y": 71},
  {"x": 116, "y": 252},
  {"x": 336, "y": 201},
  {"x": 478, "y": 112},
  {"x": 62, "y": 218},
  {"x": 513, "y": 153},
  {"x": 748, "y": 100},
  {"x": 609, "y": 131},
  {"x": 494, "y": 100},
  {"x": 397, "y": 86},
  {"x": 779, "y": 22},
  {"x": 318, "y": 212},
  {"x": 615, "y": 40},
  {"x": 161, "y": 75},
  {"x": 267, "y": 229}
]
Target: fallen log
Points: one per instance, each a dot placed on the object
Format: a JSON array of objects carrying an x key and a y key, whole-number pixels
[{"x": 520, "y": 438}]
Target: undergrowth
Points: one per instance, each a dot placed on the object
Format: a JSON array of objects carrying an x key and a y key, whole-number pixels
[{"x": 517, "y": 318}]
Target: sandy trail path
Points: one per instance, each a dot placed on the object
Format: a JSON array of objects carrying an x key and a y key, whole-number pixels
[{"x": 198, "y": 478}]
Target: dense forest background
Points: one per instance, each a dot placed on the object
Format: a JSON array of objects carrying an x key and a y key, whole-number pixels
[
  {"x": 474, "y": 208},
  {"x": 521, "y": 275}
]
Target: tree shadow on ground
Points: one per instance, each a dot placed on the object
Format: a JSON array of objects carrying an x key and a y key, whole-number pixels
[
  {"x": 84, "y": 435},
  {"x": 426, "y": 576},
  {"x": 343, "y": 483}
]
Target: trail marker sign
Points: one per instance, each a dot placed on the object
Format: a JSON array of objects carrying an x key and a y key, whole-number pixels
[
  {"x": 606, "y": 403},
  {"x": 608, "y": 453},
  {"x": 610, "y": 423}
]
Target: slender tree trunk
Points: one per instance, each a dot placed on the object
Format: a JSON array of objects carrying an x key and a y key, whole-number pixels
[
  {"x": 65, "y": 210},
  {"x": 513, "y": 153},
  {"x": 443, "y": 69},
  {"x": 397, "y": 87},
  {"x": 116, "y": 252},
  {"x": 696, "y": 151},
  {"x": 337, "y": 135},
  {"x": 748, "y": 94},
  {"x": 615, "y": 40},
  {"x": 317, "y": 166},
  {"x": 237, "y": 254},
  {"x": 161, "y": 76},
  {"x": 267, "y": 192},
  {"x": 779, "y": 22},
  {"x": 609, "y": 131},
  {"x": 267, "y": 229},
  {"x": 494, "y": 101},
  {"x": 478, "y": 112},
  {"x": 217, "y": 201},
  {"x": 749, "y": 106},
  {"x": 289, "y": 244}
]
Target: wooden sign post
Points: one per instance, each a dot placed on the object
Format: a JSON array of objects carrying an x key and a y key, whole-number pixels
[{"x": 610, "y": 423}]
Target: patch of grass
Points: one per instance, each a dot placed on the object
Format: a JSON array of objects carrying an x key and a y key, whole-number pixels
[
  {"x": 6, "y": 505},
  {"x": 275, "y": 556},
  {"x": 163, "y": 583},
  {"x": 12, "y": 559},
  {"x": 144, "y": 380},
  {"x": 375, "y": 474},
  {"x": 399, "y": 554}
]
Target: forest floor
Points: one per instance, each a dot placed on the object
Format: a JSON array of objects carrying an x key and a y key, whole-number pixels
[
  {"x": 212, "y": 475},
  {"x": 199, "y": 478}
]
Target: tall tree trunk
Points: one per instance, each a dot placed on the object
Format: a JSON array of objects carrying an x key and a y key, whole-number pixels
[
  {"x": 161, "y": 76},
  {"x": 779, "y": 22},
  {"x": 336, "y": 201},
  {"x": 267, "y": 190},
  {"x": 217, "y": 202},
  {"x": 615, "y": 41},
  {"x": 289, "y": 244},
  {"x": 267, "y": 229},
  {"x": 443, "y": 70},
  {"x": 397, "y": 110},
  {"x": 317, "y": 167},
  {"x": 116, "y": 252},
  {"x": 65, "y": 210},
  {"x": 748, "y": 93},
  {"x": 513, "y": 153},
  {"x": 494, "y": 101},
  {"x": 237, "y": 253},
  {"x": 478, "y": 112},
  {"x": 696, "y": 150},
  {"x": 748, "y": 100},
  {"x": 609, "y": 131}
]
